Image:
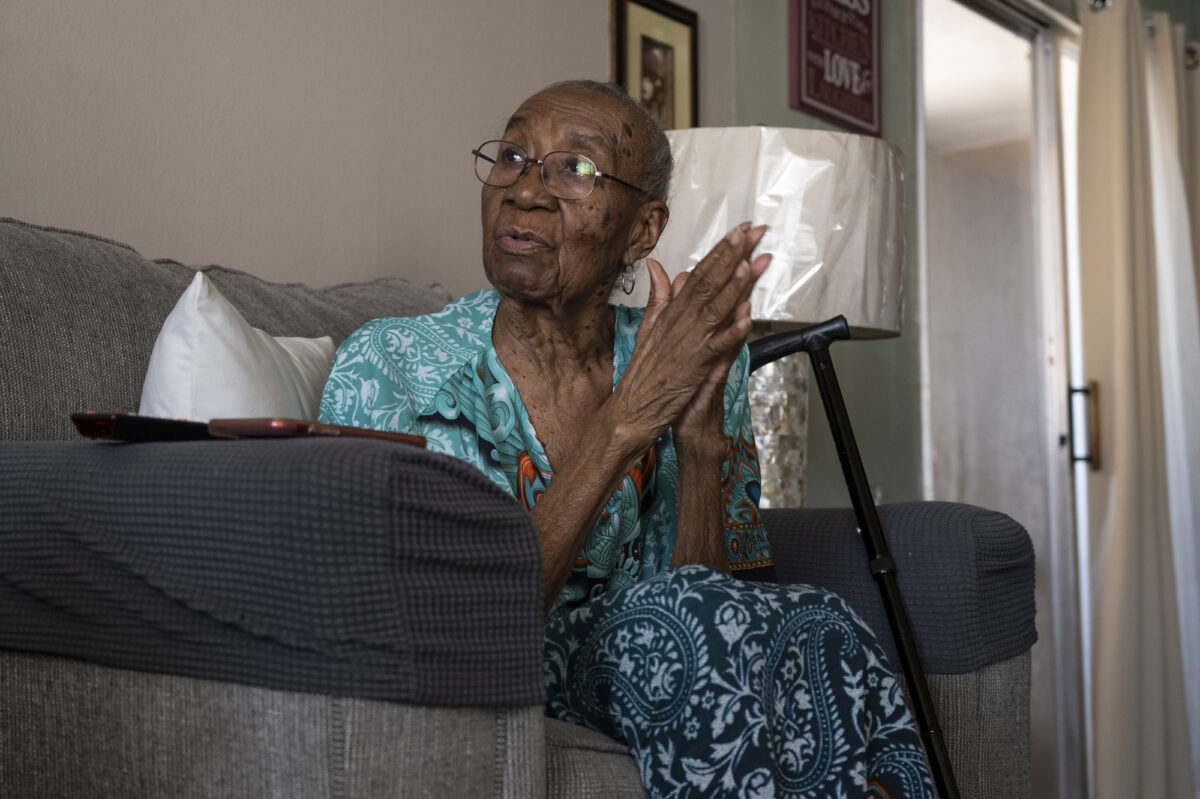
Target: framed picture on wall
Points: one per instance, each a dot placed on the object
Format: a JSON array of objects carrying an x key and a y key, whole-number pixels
[
  {"x": 655, "y": 56},
  {"x": 834, "y": 62}
]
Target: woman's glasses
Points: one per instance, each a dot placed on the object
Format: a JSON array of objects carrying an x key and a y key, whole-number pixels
[{"x": 568, "y": 176}]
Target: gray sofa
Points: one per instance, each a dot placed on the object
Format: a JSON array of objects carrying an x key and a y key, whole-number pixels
[{"x": 350, "y": 618}]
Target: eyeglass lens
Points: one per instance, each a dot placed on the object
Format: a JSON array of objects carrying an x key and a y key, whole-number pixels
[{"x": 568, "y": 176}]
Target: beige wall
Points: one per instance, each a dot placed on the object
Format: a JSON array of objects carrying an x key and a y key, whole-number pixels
[{"x": 306, "y": 141}]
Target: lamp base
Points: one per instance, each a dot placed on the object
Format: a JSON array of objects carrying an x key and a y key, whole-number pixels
[{"x": 779, "y": 408}]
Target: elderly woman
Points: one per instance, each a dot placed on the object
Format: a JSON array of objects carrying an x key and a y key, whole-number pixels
[{"x": 626, "y": 436}]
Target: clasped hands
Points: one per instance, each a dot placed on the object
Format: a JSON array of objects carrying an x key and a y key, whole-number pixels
[{"x": 692, "y": 332}]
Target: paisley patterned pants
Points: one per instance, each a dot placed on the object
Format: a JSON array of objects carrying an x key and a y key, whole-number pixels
[{"x": 728, "y": 688}]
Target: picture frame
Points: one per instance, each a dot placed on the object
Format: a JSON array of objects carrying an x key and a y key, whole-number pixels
[
  {"x": 655, "y": 58},
  {"x": 834, "y": 62}
]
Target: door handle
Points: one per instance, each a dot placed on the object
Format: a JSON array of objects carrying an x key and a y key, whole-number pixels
[{"x": 1091, "y": 411}]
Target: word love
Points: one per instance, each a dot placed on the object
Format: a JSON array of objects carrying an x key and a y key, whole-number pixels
[{"x": 845, "y": 73}]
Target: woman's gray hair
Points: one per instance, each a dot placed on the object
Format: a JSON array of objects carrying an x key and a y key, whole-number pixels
[{"x": 659, "y": 161}]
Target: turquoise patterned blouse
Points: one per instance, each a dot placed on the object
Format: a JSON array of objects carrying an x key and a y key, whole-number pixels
[{"x": 439, "y": 376}]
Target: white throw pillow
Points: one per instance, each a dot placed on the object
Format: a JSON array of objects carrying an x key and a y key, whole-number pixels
[{"x": 209, "y": 363}]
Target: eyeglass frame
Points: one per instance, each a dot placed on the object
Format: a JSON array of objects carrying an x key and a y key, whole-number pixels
[{"x": 540, "y": 163}]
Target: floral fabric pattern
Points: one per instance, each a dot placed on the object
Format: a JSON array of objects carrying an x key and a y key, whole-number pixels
[
  {"x": 719, "y": 686},
  {"x": 439, "y": 376},
  {"x": 728, "y": 688}
]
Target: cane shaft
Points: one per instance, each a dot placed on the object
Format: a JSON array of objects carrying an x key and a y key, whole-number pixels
[{"x": 883, "y": 569}]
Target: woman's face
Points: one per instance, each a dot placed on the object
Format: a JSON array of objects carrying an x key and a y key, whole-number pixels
[{"x": 541, "y": 248}]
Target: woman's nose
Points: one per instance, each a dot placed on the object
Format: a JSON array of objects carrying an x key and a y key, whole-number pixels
[{"x": 529, "y": 188}]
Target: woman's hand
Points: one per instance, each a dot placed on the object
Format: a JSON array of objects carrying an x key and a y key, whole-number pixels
[
  {"x": 706, "y": 313},
  {"x": 675, "y": 376},
  {"x": 691, "y": 334},
  {"x": 702, "y": 421}
]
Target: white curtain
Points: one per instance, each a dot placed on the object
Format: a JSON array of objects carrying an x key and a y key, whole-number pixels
[
  {"x": 1189, "y": 115},
  {"x": 1142, "y": 345},
  {"x": 1179, "y": 338}
]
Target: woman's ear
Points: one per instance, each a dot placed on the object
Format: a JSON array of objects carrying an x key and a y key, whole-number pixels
[{"x": 647, "y": 227}]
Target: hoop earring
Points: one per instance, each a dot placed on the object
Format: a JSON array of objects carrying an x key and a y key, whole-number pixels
[{"x": 628, "y": 278}]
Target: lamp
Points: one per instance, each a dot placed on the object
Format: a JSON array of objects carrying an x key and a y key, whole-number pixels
[{"x": 833, "y": 205}]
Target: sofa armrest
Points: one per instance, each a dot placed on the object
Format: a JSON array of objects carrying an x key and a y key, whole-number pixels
[
  {"x": 347, "y": 567},
  {"x": 966, "y": 575}
]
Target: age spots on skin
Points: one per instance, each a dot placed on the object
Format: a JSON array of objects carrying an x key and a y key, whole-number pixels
[
  {"x": 628, "y": 153},
  {"x": 628, "y": 130}
]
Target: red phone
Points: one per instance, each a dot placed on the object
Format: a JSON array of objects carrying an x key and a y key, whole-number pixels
[
  {"x": 130, "y": 427},
  {"x": 270, "y": 427},
  {"x": 133, "y": 428}
]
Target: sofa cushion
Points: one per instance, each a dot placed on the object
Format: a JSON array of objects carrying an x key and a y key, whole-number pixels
[
  {"x": 88, "y": 731},
  {"x": 210, "y": 363},
  {"x": 585, "y": 764},
  {"x": 81, "y": 313}
]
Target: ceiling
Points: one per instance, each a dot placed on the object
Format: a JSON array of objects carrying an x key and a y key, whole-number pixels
[{"x": 978, "y": 80}]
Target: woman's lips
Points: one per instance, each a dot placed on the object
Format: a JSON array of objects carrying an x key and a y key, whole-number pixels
[{"x": 518, "y": 242}]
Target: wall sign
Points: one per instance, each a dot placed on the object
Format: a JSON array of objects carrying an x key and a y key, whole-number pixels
[{"x": 834, "y": 57}]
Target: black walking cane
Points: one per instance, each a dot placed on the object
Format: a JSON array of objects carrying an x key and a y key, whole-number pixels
[{"x": 816, "y": 341}]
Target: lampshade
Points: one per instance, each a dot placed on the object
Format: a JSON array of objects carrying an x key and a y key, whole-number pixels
[{"x": 833, "y": 203}]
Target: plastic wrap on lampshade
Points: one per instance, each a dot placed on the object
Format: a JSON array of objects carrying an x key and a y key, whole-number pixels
[{"x": 833, "y": 205}]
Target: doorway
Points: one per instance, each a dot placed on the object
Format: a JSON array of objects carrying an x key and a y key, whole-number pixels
[{"x": 994, "y": 360}]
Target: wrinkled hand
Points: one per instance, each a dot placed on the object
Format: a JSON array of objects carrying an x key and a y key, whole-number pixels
[
  {"x": 704, "y": 416},
  {"x": 691, "y": 335}
]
